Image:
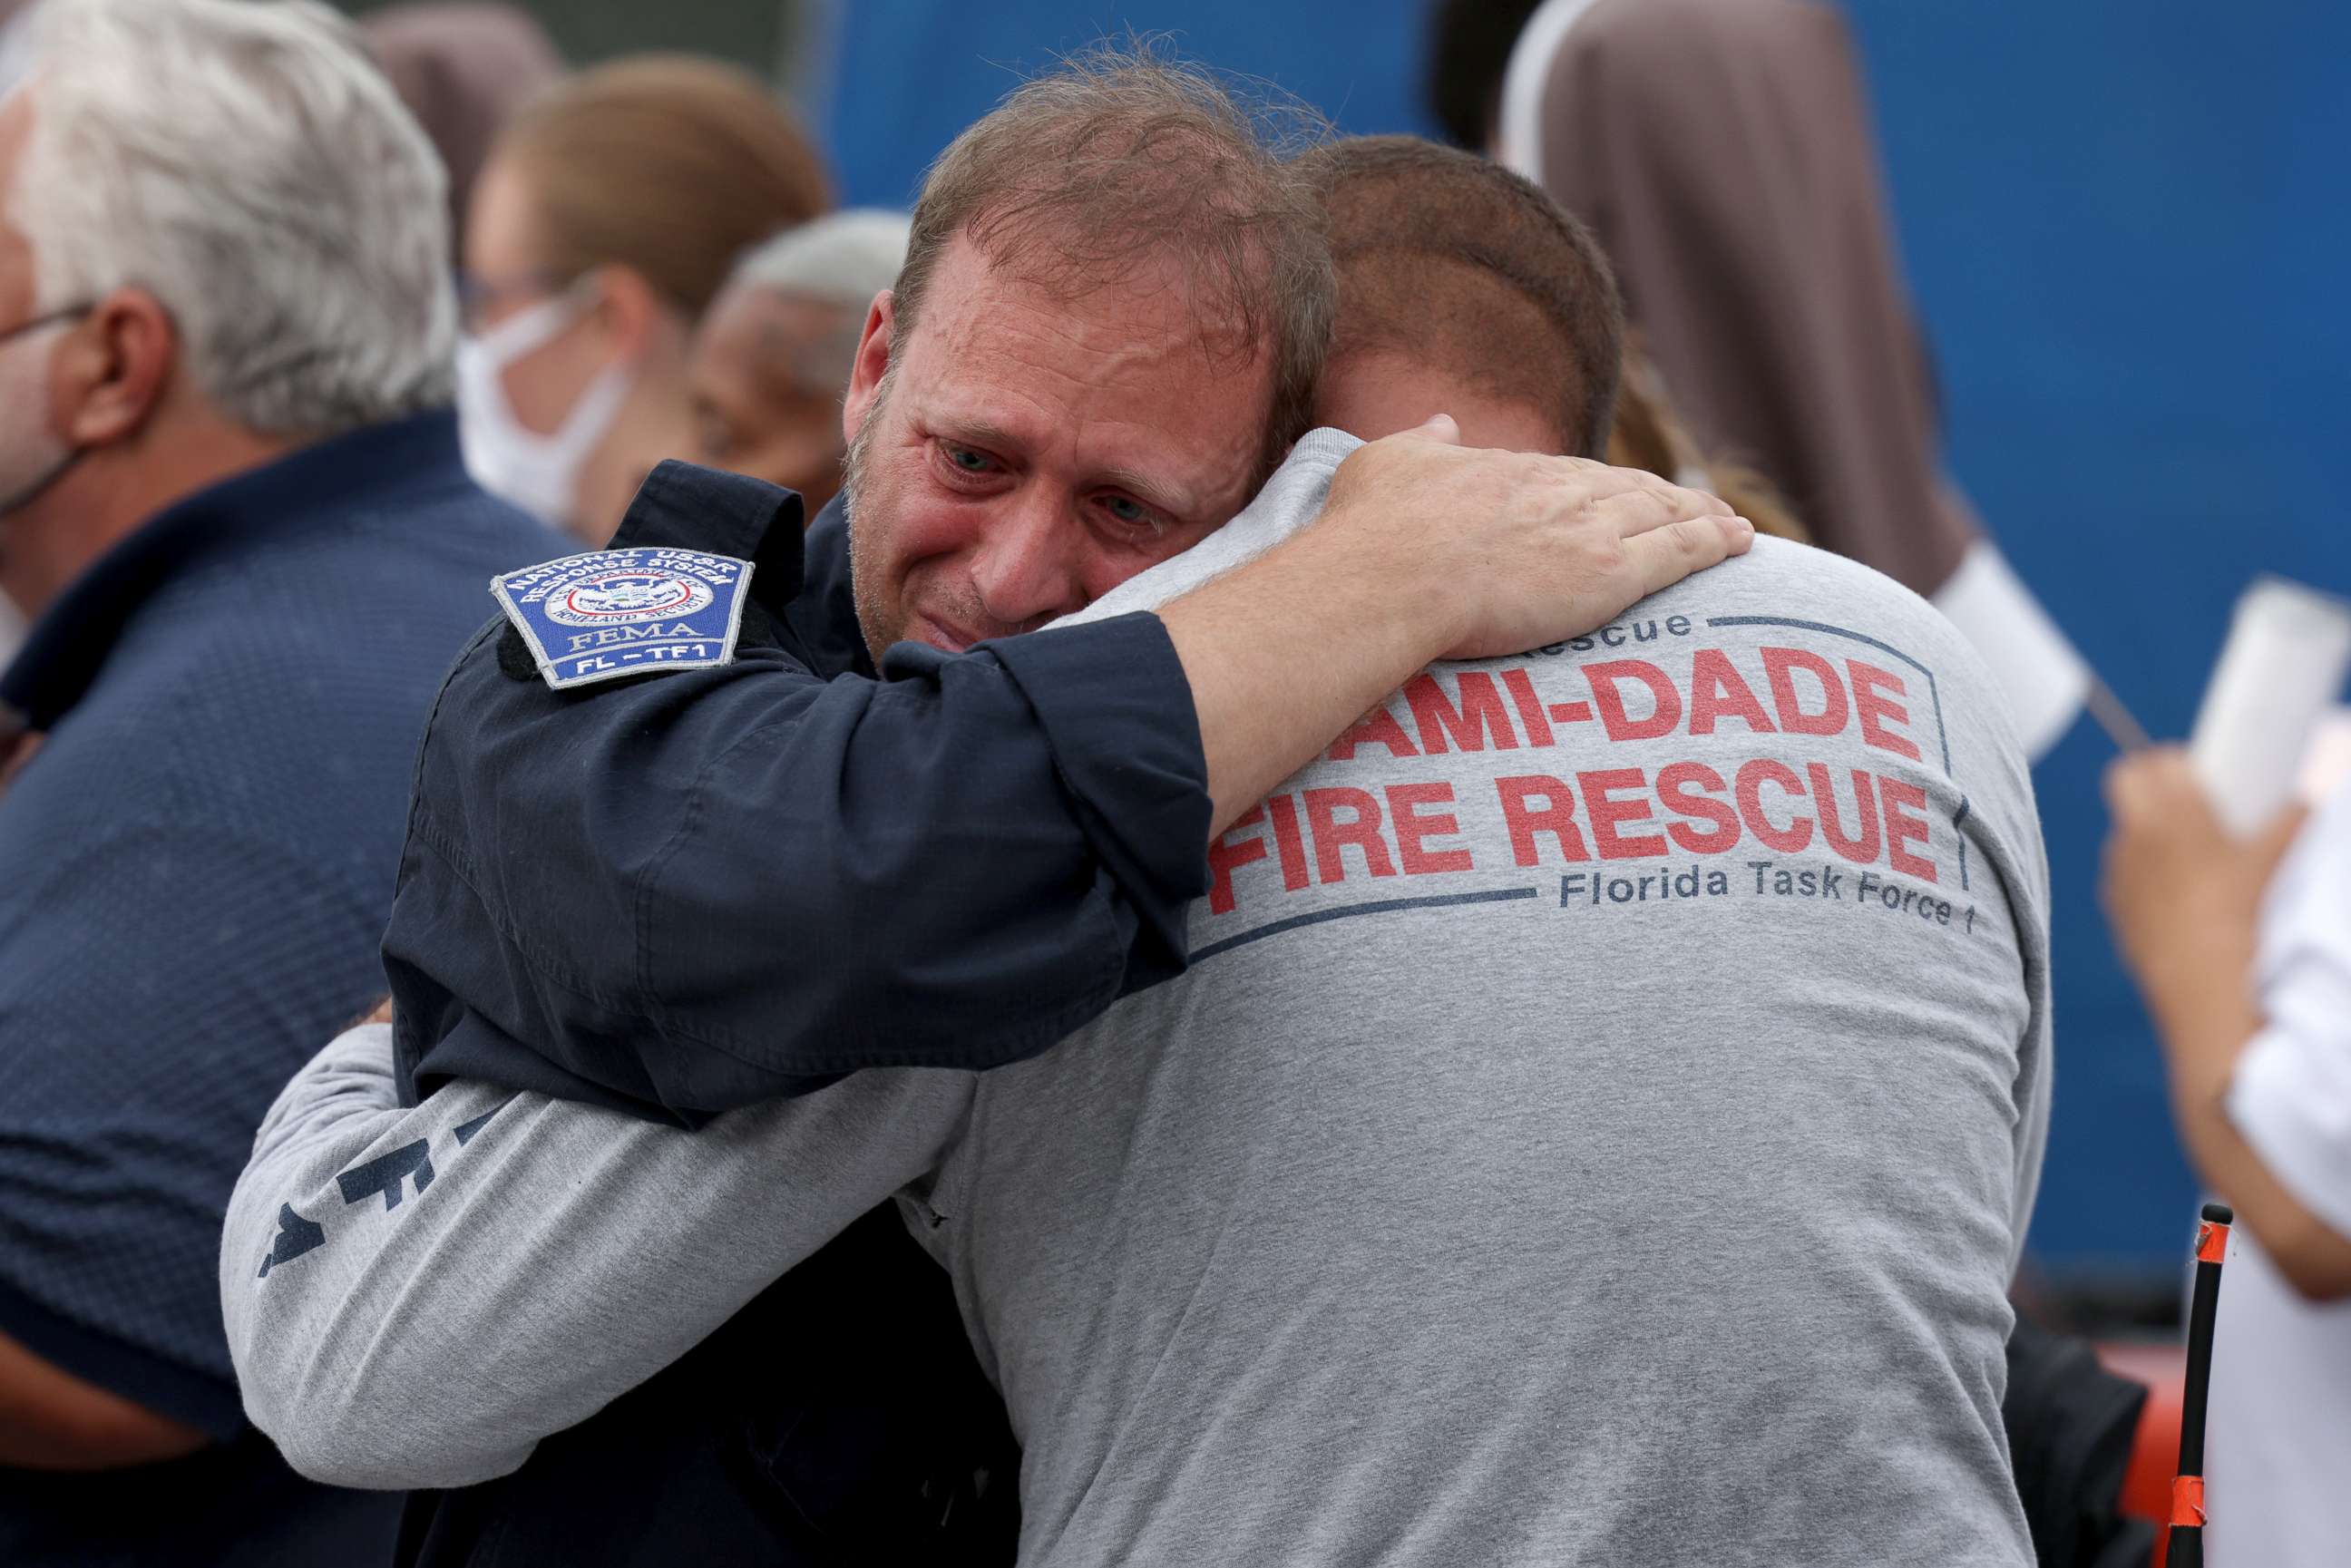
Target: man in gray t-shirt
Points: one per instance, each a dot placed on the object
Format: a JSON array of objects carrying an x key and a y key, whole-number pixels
[{"x": 1597, "y": 1126}]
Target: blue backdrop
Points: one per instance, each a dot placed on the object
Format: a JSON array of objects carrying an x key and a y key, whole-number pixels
[{"x": 2125, "y": 223}]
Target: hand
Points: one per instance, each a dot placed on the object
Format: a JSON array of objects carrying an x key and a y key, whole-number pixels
[
  {"x": 2177, "y": 884},
  {"x": 1522, "y": 550},
  {"x": 2184, "y": 898}
]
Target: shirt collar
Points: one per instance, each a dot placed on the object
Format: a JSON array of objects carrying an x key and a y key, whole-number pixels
[{"x": 67, "y": 646}]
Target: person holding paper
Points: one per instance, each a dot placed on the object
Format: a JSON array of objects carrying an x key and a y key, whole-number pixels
[{"x": 2242, "y": 947}]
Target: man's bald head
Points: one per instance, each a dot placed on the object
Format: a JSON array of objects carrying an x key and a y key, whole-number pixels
[{"x": 1459, "y": 268}]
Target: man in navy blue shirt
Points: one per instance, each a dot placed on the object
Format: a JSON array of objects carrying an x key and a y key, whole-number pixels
[
  {"x": 747, "y": 876},
  {"x": 232, "y": 503}
]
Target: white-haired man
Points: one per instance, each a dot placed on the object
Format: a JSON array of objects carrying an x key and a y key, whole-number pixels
[
  {"x": 771, "y": 364},
  {"x": 232, "y": 505}
]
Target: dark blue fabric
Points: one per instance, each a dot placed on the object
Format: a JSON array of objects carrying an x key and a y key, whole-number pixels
[
  {"x": 193, "y": 874},
  {"x": 838, "y": 1419},
  {"x": 701, "y": 889}
]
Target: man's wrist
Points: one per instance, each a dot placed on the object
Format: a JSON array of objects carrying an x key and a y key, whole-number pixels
[{"x": 1419, "y": 596}]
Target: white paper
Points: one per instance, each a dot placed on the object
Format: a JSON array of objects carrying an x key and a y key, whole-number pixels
[
  {"x": 2036, "y": 669},
  {"x": 2280, "y": 675},
  {"x": 2326, "y": 764}
]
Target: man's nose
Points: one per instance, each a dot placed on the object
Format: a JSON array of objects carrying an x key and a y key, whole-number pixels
[{"x": 1026, "y": 569}]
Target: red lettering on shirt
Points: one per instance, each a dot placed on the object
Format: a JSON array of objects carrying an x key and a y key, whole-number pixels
[
  {"x": 1228, "y": 856},
  {"x": 1332, "y": 835},
  {"x": 1530, "y": 708},
  {"x": 1782, "y": 665},
  {"x": 1719, "y": 691},
  {"x": 1868, "y": 682},
  {"x": 1288, "y": 842},
  {"x": 1902, "y": 800},
  {"x": 1752, "y": 776},
  {"x": 1860, "y": 847},
  {"x": 1412, "y": 830},
  {"x": 1678, "y": 787},
  {"x": 1606, "y": 813},
  {"x": 1376, "y": 727},
  {"x": 1525, "y": 819},
  {"x": 1605, "y": 694},
  {"x": 1480, "y": 711}
]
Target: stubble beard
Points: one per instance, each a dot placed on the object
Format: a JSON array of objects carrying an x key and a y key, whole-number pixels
[{"x": 866, "y": 577}]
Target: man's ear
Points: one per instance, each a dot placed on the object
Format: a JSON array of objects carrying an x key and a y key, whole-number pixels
[
  {"x": 114, "y": 370},
  {"x": 871, "y": 364},
  {"x": 628, "y": 309}
]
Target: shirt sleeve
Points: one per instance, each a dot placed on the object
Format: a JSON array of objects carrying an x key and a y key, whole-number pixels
[
  {"x": 415, "y": 1297},
  {"x": 2291, "y": 1094},
  {"x": 708, "y": 888}
]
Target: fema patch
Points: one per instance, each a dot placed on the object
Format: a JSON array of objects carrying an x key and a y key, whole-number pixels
[{"x": 615, "y": 612}]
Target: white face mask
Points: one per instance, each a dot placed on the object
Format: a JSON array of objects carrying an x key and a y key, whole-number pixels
[{"x": 540, "y": 474}]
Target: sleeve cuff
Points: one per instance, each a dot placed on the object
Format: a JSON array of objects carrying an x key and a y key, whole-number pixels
[
  {"x": 2301, "y": 1132},
  {"x": 1117, "y": 709},
  {"x": 166, "y": 1387}
]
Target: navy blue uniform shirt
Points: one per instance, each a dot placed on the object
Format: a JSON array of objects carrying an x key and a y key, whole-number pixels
[
  {"x": 691, "y": 891},
  {"x": 194, "y": 871}
]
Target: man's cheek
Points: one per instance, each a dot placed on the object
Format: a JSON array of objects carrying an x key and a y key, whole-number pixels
[{"x": 1109, "y": 566}]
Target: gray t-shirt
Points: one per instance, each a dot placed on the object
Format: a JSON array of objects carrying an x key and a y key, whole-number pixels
[{"x": 1597, "y": 1127}]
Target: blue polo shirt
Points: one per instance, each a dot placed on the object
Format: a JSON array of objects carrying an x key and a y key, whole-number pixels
[{"x": 193, "y": 874}]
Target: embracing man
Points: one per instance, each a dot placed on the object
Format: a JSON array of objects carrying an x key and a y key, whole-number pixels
[{"x": 1563, "y": 1049}]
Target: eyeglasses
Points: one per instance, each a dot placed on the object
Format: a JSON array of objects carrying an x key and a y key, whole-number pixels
[
  {"x": 50, "y": 319},
  {"x": 479, "y": 297}
]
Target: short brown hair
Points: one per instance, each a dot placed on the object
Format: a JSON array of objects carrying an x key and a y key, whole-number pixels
[
  {"x": 1456, "y": 262},
  {"x": 668, "y": 164},
  {"x": 1120, "y": 155}
]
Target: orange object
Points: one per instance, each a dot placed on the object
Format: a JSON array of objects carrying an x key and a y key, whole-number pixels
[
  {"x": 2211, "y": 1242},
  {"x": 2188, "y": 1501},
  {"x": 2148, "y": 1485}
]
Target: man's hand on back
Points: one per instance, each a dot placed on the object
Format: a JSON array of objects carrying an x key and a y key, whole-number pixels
[
  {"x": 1425, "y": 550},
  {"x": 1524, "y": 549}
]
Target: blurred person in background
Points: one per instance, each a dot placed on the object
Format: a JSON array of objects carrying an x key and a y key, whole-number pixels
[
  {"x": 232, "y": 501},
  {"x": 1651, "y": 434},
  {"x": 16, "y": 44},
  {"x": 1747, "y": 225},
  {"x": 463, "y": 70},
  {"x": 14, "y": 49},
  {"x": 607, "y": 217},
  {"x": 771, "y": 362},
  {"x": 2242, "y": 948}
]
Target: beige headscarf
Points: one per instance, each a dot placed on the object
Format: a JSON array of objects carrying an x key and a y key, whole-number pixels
[
  {"x": 461, "y": 70},
  {"x": 1721, "y": 150}
]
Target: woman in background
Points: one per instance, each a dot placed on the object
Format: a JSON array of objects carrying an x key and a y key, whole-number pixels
[
  {"x": 1649, "y": 434},
  {"x": 1722, "y": 153},
  {"x": 607, "y": 217},
  {"x": 2242, "y": 950}
]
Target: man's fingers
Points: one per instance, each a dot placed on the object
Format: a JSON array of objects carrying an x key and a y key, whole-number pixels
[
  {"x": 1439, "y": 428},
  {"x": 1662, "y": 556},
  {"x": 1631, "y": 507}
]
